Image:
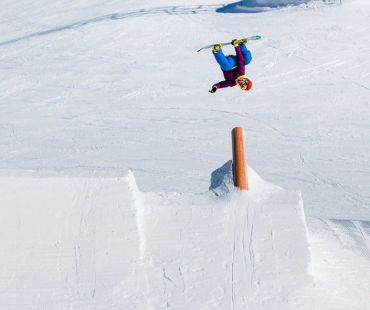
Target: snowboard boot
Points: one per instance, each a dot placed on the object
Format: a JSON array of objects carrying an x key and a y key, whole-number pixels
[{"x": 216, "y": 48}]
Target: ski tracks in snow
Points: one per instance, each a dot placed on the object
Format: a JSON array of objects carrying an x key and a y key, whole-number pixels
[
  {"x": 352, "y": 235},
  {"x": 226, "y": 254},
  {"x": 156, "y": 11},
  {"x": 243, "y": 256},
  {"x": 340, "y": 263},
  {"x": 262, "y": 262}
]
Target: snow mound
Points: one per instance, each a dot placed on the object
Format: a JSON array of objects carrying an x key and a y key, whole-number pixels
[
  {"x": 102, "y": 243},
  {"x": 222, "y": 183},
  {"x": 272, "y": 3},
  {"x": 255, "y": 6},
  {"x": 340, "y": 264}
]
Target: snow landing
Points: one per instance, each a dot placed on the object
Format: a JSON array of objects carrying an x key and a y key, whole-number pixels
[{"x": 86, "y": 243}]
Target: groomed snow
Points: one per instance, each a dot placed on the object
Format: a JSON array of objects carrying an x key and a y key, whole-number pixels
[
  {"x": 78, "y": 243},
  {"x": 93, "y": 88},
  {"x": 98, "y": 243}
]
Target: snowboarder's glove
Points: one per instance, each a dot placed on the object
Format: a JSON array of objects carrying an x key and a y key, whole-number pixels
[
  {"x": 213, "y": 90},
  {"x": 216, "y": 48},
  {"x": 235, "y": 42}
]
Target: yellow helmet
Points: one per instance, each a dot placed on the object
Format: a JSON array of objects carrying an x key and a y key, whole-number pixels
[{"x": 244, "y": 82}]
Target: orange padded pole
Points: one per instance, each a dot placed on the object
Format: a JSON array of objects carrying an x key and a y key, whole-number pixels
[{"x": 239, "y": 165}]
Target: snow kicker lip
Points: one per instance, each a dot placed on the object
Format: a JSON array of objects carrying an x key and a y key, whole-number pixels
[{"x": 116, "y": 243}]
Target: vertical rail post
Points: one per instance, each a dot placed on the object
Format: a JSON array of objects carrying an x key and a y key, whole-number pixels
[{"x": 239, "y": 165}]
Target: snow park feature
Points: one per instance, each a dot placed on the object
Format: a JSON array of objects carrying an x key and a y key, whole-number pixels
[
  {"x": 257, "y": 6},
  {"x": 78, "y": 243},
  {"x": 239, "y": 171},
  {"x": 116, "y": 179},
  {"x": 272, "y": 3},
  {"x": 268, "y": 4}
]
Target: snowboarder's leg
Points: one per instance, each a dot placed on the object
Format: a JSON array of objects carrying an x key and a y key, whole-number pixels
[
  {"x": 246, "y": 53},
  {"x": 226, "y": 63}
]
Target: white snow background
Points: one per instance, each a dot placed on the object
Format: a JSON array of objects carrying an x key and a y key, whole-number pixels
[{"x": 109, "y": 137}]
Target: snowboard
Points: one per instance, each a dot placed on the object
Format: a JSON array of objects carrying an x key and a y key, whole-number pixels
[{"x": 245, "y": 40}]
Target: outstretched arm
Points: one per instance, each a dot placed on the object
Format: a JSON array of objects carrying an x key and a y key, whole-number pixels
[{"x": 221, "y": 84}]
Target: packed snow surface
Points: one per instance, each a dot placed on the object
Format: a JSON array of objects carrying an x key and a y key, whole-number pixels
[
  {"x": 101, "y": 243},
  {"x": 97, "y": 88},
  {"x": 92, "y": 89}
]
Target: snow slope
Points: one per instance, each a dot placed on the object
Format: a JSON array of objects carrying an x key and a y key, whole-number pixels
[
  {"x": 91, "y": 89},
  {"x": 99, "y": 87},
  {"x": 99, "y": 243},
  {"x": 86, "y": 243}
]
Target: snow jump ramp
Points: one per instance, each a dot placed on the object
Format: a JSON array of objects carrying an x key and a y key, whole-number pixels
[{"x": 86, "y": 243}]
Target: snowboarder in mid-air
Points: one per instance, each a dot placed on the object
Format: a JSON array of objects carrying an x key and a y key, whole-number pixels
[{"x": 233, "y": 67}]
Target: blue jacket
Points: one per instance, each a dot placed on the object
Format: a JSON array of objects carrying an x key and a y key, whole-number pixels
[{"x": 227, "y": 63}]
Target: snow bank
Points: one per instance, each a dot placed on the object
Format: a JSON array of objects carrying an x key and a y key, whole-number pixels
[
  {"x": 340, "y": 264},
  {"x": 255, "y": 6},
  {"x": 272, "y": 3},
  {"x": 102, "y": 243}
]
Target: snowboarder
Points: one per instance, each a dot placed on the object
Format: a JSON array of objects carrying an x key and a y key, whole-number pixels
[{"x": 233, "y": 67}]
